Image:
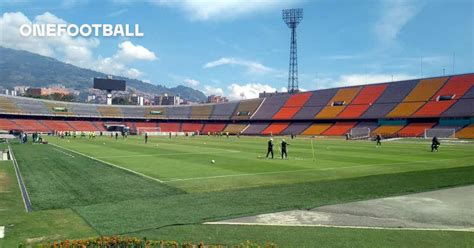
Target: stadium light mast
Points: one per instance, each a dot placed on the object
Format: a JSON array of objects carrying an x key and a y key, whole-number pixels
[{"x": 292, "y": 18}]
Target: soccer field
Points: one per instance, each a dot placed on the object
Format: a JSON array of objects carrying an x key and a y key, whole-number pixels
[{"x": 168, "y": 187}]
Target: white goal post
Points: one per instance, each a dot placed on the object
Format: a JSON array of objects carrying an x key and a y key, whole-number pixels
[
  {"x": 359, "y": 133},
  {"x": 442, "y": 133},
  {"x": 149, "y": 130}
]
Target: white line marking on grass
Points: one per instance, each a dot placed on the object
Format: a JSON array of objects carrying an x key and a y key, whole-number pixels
[
  {"x": 303, "y": 170},
  {"x": 2, "y": 232},
  {"x": 165, "y": 154},
  {"x": 105, "y": 162},
  {"x": 337, "y": 226},
  {"x": 63, "y": 152}
]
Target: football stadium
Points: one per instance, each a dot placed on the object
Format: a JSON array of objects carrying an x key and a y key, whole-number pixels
[{"x": 95, "y": 153}]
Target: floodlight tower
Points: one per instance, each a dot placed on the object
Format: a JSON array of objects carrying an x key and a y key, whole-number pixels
[{"x": 292, "y": 18}]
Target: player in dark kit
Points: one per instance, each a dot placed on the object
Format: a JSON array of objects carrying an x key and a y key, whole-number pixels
[
  {"x": 270, "y": 148},
  {"x": 378, "y": 138},
  {"x": 146, "y": 138},
  {"x": 284, "y": 153},
  {"x": 435, "y": 144},
  {"x": 116, "y": 135}
]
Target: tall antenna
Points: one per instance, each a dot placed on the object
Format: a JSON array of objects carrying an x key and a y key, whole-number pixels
[{"x": 292, "y": 18}]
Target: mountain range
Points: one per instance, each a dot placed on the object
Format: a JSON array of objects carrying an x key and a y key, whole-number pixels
[{"x": 18, "y": 67}]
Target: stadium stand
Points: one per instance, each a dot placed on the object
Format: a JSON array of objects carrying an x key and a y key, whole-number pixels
[
  {"x": 275, "y": 128},
  {"x": 85, "y": 126},
  {"x": 414, "y": 129},
  {"x": 133, "y": 111},
  {"x": 235, "y": 128},
  {"x": 292, "y": 106},
  {"x": 7, "y": 124},
  {"x": 213, "y": 128},
  {"x": 100, "y": 125},
  {"x": 270, "y": 106},
  {"x": 8, "y": 106},
  {"x": 58, "y": 108},
  {"x": 201, "y": 112},
  {"x": 387, "y": 130},
  {"x": 246, "y": 108},
  {"x": 296, "y": 128},
  {"x": 315, "y": 103},
  {"x": 178, "y": 112},
  {"x": 85, "y": 110},
  {"x": 367, "y": 124},
  {"x": 106, "y": 111},
  {"x": 256, "y": 128},
  {"x": 453, "y": 90},
  {"x": 32, "y": 107},
  {"x": 170, "y": 127},
  {"x": 342, "y": 98},
  {"x": 57, "y": 125},
  {"x": 367, "y": 96},
  {"x": 223, "y": 111},
  {"x": 155, "y": 112},
  {"x": 191, "y": 127},
  {"x": 30, "y": 125},
  {"x": 317, "y": 128},
  {"x": 339, "y": 128},
  {"x": 466, "y": 133}
]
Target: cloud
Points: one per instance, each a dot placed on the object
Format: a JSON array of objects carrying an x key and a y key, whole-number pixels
[
  {"x": 358, "y": 79},
  {"x": 210, "y": 90},
  {"x": 251, "y": 66},
  {"x": 203, "y": 10},
  {"x": 191, "y": 82},
  {"x": 395, "y": 14},
  {"x": 74, "y": 50},
  {"x": 247, "y": 91},
  {"x": 117, "y": 13}
]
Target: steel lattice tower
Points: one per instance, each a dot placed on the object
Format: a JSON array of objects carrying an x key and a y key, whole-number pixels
[{"x": 292, "y": 18}]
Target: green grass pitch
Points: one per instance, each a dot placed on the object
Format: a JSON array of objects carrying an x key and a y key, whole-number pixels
[{"x": 169, "y": 187}]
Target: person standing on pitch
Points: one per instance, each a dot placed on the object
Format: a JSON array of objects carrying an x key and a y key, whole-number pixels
[
  {"x": 378, "y": 138},
  {"x": 146, "y": 138},
  {"x": 116, "y": 135},
  {"x": 435, "y": 144},
  {"x": 284, "y": 153},
  {"x": 270, "y": 148}
]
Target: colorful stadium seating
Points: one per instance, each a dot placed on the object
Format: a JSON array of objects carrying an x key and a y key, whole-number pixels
[
  {"x": 344, "y": 97},
  {"x": 56, "y": 125},
  {"x": 213, "y": 128},
  {"x": 317, "y": 128},
  {"x": 223, "y": 111},
  {"x": 107, "y": 111},
  {"x": 292, "y": 106},
  {"x": 235, "y": 128},
  {"x": 466, "y": 133},
  {"x": 296, "y": 128},
  {"x": 191, "y": 127},
  {"x": 339, "y": 128},
  {"x": 270, "y": 106},
  {"x": 201, "y": 112},
  {"x": 415, "y": 129},
  {"x": 275, "y": 128},
  {"x": 170, "y": 127},
  {"x": 256, "y": 128},
  {"x": 85, "y": 126},
  {"x": 8, "y": 106},
  {"x": 316, "y": 102},
  {"x": 7, "y": 124},
  {"x": 387, "y": 130},
  {"x": 30, "y": 125},
  {"x": 246, "y": 108}
]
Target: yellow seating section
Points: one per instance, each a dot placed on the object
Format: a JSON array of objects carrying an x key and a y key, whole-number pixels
[
  {"x": 201, "y": 111},
  {"x": 466, "y": 133},
  {"x": 234, "y": 128},
  {"x": 8, "y": 106},
  {"x": 317, "y": 129},
  {"x": 387, "y": 129},
  {"x": 110, "y": 111},
  {"x": 405, "y": 109},
  {"x": 425, "y": 89}
]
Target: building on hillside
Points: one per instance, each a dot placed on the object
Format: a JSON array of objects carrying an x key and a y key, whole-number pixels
[
  {"x": 35, "y": 92},
  {"x": 167, "y": 100},
  {"x": 216, "y": 99}
]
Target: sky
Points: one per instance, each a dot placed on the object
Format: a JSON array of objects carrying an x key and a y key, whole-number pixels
[{"x": 238, "y": 48}]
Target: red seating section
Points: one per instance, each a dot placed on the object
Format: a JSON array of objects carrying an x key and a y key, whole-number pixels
[
  {"x": 99, "y": 125},
  {"x": 457, "y": 86},
  {"x": 31, "y": 125},
  {"x": 170, "y": 127},
  {"x": 292, "y": 106},
  {"x": 275, "y": 128},
  {"x": 415, "y": 129},
  {"x": 85, "y": 126},
  {"x": 212, "y": 128},
  {"x": 369, "y": 94},
  {"x": 340, "y": 128},
  {"x": 353, "y": 111},
  {"x": 6, "y": 124},
  {"x": 191, "y": 127},
  {"x": 54, "y": 125}
]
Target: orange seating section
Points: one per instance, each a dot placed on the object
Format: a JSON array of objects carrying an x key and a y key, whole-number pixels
[
  {"x": 466, "y": 133},
  {"x": 31, "y": 125},
  {"x": 317, "y": 129},
  {"x": 235, "y": 128},
  {"x": 346, "y": 95},
  {"x": 339, "y": 128},
  {"x": 170, "y": 127},
  {"x": 425, "y": 89},
  {"x": 275, "y": 128},
  {"x": 55, "y": 125},
  {"x": 85, "y": 126},
  {"x": 405, "y": 109},
  {"x": 353, "y": 111},
  {"x": 434, "y": 108},
  {"x": 100, "y": 125},
  {"x": 213, "y": 128},
  {"x": 292, "y": 106},
  {"x": 369, "y": 94},
  {"x": 387, "y": 130},
  {"x": 415, "y": 129},
  {"x": 191, "y": 127},
  {"x": 7, "y": 124}
]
